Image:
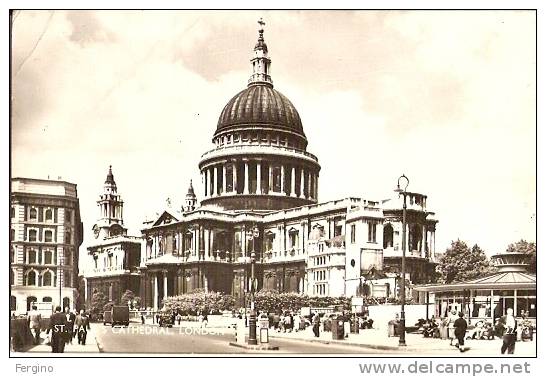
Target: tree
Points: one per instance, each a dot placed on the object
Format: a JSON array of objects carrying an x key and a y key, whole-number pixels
[
  {"x": 460, "y": 263},
  {"x": 127, "y": 297},
  {"x": 199, "y": 301},
  {"x": 530, "y": 248},
  {"x": 98, "y": 301}
]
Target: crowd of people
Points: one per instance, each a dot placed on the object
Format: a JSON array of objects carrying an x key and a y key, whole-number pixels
[
  {"x": 62, "y": 329},
  {"x": 457, "y": 329}
]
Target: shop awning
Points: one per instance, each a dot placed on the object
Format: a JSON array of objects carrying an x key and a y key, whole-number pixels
[{"x": 500, "y": 280}]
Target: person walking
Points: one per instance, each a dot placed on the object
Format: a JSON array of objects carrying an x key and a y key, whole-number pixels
[
  {"x": 178, "y": 319},
  {"x": 81, "y": 324},
  {"x": 70, "y": 317},
  {"x": 451, "y": 326},
  {"x": 34, "y": 320},
  {"x": 142, "y": 319},
  {"x": 57, "y": 329},
  {"x": 460, "y": 327},
  {"x": 316, "y": 325},
  {"x": 510, "y": 327}
]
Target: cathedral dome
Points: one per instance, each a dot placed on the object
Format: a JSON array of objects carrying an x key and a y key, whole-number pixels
[{"x": 260, "y": 105}]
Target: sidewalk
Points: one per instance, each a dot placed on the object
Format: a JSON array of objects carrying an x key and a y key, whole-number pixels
[
  {"x": 90, "y": 346},
  {"x": 377, "y": 339}
]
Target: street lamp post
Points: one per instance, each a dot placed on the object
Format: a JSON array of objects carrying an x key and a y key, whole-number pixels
[
  {"x": 252, "y": 340},
  {"x": 59, "y": 281},
  {"x": 402, "y": 327}
]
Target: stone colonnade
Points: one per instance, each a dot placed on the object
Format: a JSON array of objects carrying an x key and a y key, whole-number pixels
[{"x": 260, "y": 177}]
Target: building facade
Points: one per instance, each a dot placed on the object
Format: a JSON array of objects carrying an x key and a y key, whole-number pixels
[
  {"x": 45, "y": 235},
  {"x": 261, "y": 201},
  {"x": 113, "y": 258}
]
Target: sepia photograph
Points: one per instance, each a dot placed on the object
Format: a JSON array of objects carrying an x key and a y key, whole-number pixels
[{"x": 273, "y": 183}]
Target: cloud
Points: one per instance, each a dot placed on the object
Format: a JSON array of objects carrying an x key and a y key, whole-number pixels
[{"x": 86, "y": 28}]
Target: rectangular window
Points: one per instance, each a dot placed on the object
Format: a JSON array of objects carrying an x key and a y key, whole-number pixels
[
  {"x": 372, "y": 231},
  {"x": 32, "y": 235},
  {"x": 353, "y": 233},
  {"x": 48, "y": 257}
]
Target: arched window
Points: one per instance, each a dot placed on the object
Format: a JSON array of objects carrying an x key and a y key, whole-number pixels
[
  {"x": 30, "y": 300},
  {"x": 33, "y": 214},
  {"x": 12, "y": 303},
  {"x": 46, "y": 279},
  {"x": 31, "y": 278},
  {"x": 11, "y": 277},
  {"x": 12, "y": 234},
  {"x": 12, "y": 212},
  {"x": 48, "y": 236},
  {"x": 387, "y": 236},
  {"x": 48, "y": 214},
  {"x": 66, "y": 302},
  {"x": 32, "y": 256},
  {"x": 67, "y": 279},
  {"x": 32, "y": 235},
  {"x": 47, "y": 299}
]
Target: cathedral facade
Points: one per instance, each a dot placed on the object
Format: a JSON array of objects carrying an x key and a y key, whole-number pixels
[{"x": 261, "y": 188}]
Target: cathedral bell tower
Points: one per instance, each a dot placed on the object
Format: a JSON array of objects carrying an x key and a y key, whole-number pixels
[
  {"x": 191, "y": 199},
  {"x": 110, "y": 222}
]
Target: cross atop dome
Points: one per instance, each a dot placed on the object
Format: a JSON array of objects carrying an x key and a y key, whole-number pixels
[{"x": 261, "y": 29}]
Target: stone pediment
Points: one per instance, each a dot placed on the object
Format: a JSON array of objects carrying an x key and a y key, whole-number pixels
[{"x": 164, "y": 219}]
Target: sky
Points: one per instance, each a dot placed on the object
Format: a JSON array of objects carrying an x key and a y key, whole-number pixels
[{"x": 447, "y": 98}]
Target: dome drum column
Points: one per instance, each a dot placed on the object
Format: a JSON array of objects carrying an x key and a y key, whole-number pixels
[
  {"x": 293, "y": 182},
  {"x": 214, "y": 180},
  {"x": 224, "y": 180},
  {"x": 302, "y": 183},
  {"x": 282, "y": 179},
  {"x": 258, "y": 177},
  {"x": 247, "y": 179},
  {"x": 270, "y": 181},
  {"x": 234, "y": 177}
]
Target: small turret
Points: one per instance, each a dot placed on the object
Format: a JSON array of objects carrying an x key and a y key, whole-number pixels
[{"x": 191, "y": 199}]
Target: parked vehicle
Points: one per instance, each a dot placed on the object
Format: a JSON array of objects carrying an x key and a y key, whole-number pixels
[
  {"x": 107, "y": 318},
  {"x": 165, "y": 320},
  {"x": 119, "y": 315}
]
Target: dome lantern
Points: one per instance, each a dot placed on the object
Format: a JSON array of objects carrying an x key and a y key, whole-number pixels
[{"x": 261, "y": 64}]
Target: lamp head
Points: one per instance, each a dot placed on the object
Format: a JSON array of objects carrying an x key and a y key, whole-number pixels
[{"x": 402, "y": 184}]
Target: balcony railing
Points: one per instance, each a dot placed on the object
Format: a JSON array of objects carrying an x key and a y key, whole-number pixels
[{"x": 256, "y": 148}]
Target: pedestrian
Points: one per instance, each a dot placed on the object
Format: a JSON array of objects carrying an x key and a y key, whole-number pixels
[
  {"x": 460, "y": 326},
  {"x": 81, "y": 323},
  {"x": 57, "y": 330},
  {"x": 287, "y": 322},
  {"x": 450, "y": 326},
  {"x": 205, "y": 319},
  {"x": 178, "y": 319},
  {"x": 297, "y": 322},
  {"x": 157, "y": 318},
  {"x": 34, "y": 320},
  {"x": 70, "y": 317},
  {"x": 316, "y": 325},
  {"x": 510, "y": 327},
  {"x": 142, "y": 319}
]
